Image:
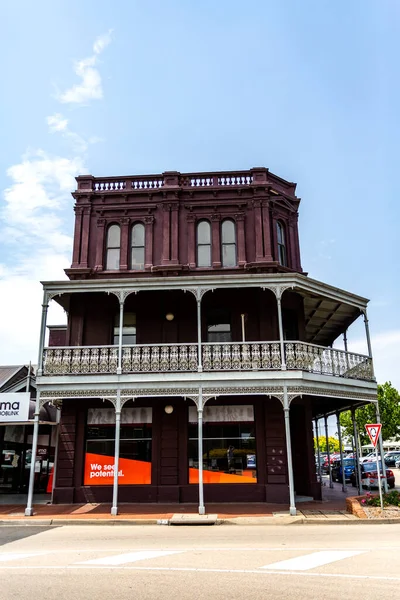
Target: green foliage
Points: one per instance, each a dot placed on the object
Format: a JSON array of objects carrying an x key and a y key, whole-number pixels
[
  {"x": 389, "y": 407},
  {"x": 333, "y": 444},
  {"x": 390, "y": 499}
]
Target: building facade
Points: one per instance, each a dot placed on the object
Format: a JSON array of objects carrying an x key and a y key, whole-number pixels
[{"x": 197, "y": 352}]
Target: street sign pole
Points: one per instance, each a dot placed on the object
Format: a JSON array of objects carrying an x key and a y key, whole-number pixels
[
  {"x": 379, "y": 475},
  {"x": 374, "y": 431}
]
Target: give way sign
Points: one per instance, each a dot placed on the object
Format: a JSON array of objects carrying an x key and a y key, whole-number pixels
[{"x": 373, "y": 430}]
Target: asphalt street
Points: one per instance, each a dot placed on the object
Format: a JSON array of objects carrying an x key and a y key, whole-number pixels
[{"x": 218, "y": 562}]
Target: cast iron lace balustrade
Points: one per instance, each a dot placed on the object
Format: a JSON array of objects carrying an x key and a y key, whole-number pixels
[
  {"x": 327, "y": 361},
  {"x": 241, "y": 356},
  {"x": 234, "y": 356},
  {"x": 160, "y": 358}
]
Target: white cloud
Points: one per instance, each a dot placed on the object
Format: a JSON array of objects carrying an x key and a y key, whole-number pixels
[
  {"x": 33, "y": 225},
  {"x": 90, "y": 87},
  {"x": 34, "y": 243},
  {"x": 102, "y": 42},
  {"x": 57, "y": 123},
  {"x": 386, "y": 355}
]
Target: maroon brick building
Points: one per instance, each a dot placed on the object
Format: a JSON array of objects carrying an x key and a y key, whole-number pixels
[{"x": 197, "y": 351}]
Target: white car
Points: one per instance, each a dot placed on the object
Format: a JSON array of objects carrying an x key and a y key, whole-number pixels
[{"x": 371, "y": 457}]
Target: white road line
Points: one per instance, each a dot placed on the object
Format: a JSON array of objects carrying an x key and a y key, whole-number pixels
[
  {"x": 15, "y": 555},
  {"x": 311, "y": 561},
  {"x": 203, "y": 570},
  {"x": 121, "y": 559}
]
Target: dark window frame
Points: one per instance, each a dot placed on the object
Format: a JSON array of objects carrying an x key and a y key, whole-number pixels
[
  {"x": 141, "y": 247},
  {"x": 112, "y": 247},
  {"x": 228, "y": 244},
  {"x": 203, "y": 244},
  {"x": 281, "y": 243}
]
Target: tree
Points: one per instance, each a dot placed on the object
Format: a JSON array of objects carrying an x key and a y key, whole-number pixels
[
  {"x": 333, "y": 444},
  {"x": 389, "y": 407}
]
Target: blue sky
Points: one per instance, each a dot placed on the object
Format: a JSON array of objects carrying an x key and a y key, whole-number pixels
[{"x": 309, "y": 89}]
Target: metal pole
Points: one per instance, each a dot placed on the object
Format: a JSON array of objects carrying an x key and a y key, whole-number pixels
[
  {"x": 45, "y": 307},
  {"x": 379, "y": 475},
  {"x": 345, "y": 340},
  {"x": 368, "y": 340},
  {"x": 199, "y": 356},
  {"x": 58, "y": 417},
  {"x": 292, "y": 506},
  {"x": 114, "y": 508},
  {"x": 242, "y": 316},
  {"x": 318, "y": 450},
  {"x": 344, "y": 488},
  {"x": 378, "y": 420},
  {"x": 281, "y": 340},
  {"x": 121, "y": 325},
  {"x": 28, "y": 378},
  {"x": 202, "y": 509},
  {"x": 328, "y": 452},
  {"x": 29, "y": 508},
  {"x": 353, "y": 416}
]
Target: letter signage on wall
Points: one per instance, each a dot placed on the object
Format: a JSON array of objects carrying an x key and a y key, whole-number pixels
[{"x": 14, "y": 407}]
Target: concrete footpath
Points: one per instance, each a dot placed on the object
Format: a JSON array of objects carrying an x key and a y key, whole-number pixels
[
  {"x": 159, "y": 514},
  {"x": 330, "y": 510}
]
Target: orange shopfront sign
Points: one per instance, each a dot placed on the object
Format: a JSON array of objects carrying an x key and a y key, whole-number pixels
[{"x": 99, "y": 470}]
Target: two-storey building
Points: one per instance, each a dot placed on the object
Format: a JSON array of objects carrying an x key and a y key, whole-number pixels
[{"x": 197, "y": 351}]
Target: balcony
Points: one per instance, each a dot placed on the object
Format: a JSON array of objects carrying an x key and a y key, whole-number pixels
[{"x": 216, "y": 357}]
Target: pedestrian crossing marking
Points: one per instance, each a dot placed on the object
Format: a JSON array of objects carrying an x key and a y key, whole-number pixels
[
  {"x": 121, "y": 559},
  {"x": 311, "y": 561},
  {"x": 15, "y": 555}
]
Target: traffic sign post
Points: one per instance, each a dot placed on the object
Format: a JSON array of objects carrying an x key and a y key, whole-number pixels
[{"x": 374, "y": 430}]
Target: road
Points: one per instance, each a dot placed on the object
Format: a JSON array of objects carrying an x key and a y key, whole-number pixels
[{"x": 218, "y": 562}]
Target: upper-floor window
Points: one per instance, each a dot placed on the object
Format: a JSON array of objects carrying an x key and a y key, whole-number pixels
[
  {"x": 228, "y": 243},
  {"x": 137, "y": 247},
  {"x": 280, "y": 234},
  {"x": 128, "y": 329},
  {"x": 113, "y": 247},
  {"x": 219, "y": 326},
  {"x": 203, "y": 244}
]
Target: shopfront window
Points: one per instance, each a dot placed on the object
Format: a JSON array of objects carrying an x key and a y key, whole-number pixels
[
  {"x": 135, "y": 446},
  {"x": 16, "y": 458},
  {"x": 229, "y": 445}
]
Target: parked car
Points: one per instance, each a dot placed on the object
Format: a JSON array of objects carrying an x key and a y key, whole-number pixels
[
  {"x": 371, "y": 457},
  {"x": 397, "y": 465},
  {"x": 337, "y": 469},
  {"x": 391, "y": 458},
  {"x": 369, "y": 476}
]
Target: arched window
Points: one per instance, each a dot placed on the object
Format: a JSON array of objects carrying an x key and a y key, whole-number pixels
[
  {"x": 228, "y": 243},
  {"x": 203, "y": 244},
  {"x": 113, "y": 247},
  {"x": 280, "y": 234},
  {"x": 137, "y": 247}
]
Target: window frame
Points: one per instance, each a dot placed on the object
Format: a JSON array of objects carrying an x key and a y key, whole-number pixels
[
  {"x": 132, "y": 267},
  {"x": 109, "y": 247},
  {"x": 228, "y": 244},
  {"x": 281, "y": 243},
  {"x": 203, "y": 245}
]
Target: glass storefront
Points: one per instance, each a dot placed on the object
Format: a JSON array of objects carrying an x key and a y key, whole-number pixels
[
  {"x": 135, "y": 447},
  {"x": 16, "y": 458},
  {"x": 229, "y": 445}
]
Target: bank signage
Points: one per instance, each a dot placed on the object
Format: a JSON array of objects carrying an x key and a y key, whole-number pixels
[{"x": 14, "y": 407}]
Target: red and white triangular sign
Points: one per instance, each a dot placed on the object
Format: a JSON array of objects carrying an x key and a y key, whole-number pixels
[{"x": 373, "y": 430}]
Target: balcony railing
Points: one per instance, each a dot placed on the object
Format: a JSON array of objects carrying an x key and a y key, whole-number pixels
[{"x": 237, "y": 356}]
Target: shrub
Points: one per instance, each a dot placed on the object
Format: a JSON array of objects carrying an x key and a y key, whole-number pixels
[{"x": 390, "y": 499}]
